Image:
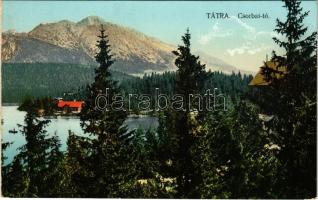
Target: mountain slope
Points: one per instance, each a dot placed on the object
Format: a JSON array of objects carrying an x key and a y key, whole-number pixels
[
  {"x": 31, "y": 50},
  {"x": 70, "y": 42}
]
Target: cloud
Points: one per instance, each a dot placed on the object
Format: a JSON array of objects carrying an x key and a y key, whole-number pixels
[
  {"x": 247, "y": 40},
  {"x": 255, "y": 50},
  {"x": 246, "y": 26},
  {"x": 238, "y": 50},
  {"x": 252, "y": 33},
  {"x": 249, "y": 34},
  {"x": 215, "y": 32},
  {"x": 247, "y": 48},
  {"x": 270, "y": 33}
]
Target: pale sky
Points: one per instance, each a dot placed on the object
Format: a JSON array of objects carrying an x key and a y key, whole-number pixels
[{"x": 242, "y": 43}]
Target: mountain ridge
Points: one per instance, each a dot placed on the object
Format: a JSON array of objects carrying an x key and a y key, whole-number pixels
[{"x": 75, "y": 42}]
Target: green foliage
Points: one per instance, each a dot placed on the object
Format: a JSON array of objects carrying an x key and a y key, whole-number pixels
[
  {"x": 78, "y": 177},
  {"x": 35, "y": 163},
  {"x": 234, "y": 86},
  {"x": 15, "y": 182},
  {"x": 48, "y": 105},
  {"x": 109, "y": 167},
  {"x": 236, "y": 157},
  {"x": 4, "y": 146},
  {"x": 23, "y": 80},
  {"x": 190, "y": 79},
  {"x": 294, "y": 104}
]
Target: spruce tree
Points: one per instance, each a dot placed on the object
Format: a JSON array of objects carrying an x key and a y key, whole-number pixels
[
  {"x": 108, "y": 158},
  {"x": 190, "y": 77},
  {"x": 232, "y": 158},
  {"x": 35, "y": 150},
  {"x": 4, "y": 146},
  {"x": 167, "y": 140},
  {"x": 291, "y": 99},
  {"x": 14, "y": 181},
  {"x": 78, "y": 178},
  {"x": 32, "y": 162},
  {"x": 102, "y": 123},
  {"x": 54, "y": 176},
  {"x": 4, "y": 168}
]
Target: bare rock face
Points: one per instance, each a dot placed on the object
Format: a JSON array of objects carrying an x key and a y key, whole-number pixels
[
  {"x": 70, "y": 42},
  {"x": 127, "y": 44},
  {"x": 60, "y": 34},
  {"x": 9, "y": 45}
]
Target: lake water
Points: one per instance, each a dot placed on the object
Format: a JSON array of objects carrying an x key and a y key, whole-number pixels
[{"x": 60, "y": 125}]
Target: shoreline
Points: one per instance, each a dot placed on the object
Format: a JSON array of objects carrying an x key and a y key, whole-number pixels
[{"x": 10, "y": 104}]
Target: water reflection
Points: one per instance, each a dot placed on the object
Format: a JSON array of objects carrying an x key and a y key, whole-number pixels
[{"x": 59, "y": 125}]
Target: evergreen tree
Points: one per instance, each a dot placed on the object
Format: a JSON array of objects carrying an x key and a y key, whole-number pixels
[
  {"x": 167, "y": 139},
  {"x": 34, "y": 152},
  {"x": 77, "y": 177},
  {"x": 4, "y": 168},
  {"x": 189, "y": 80},
  {"x": 293, "y": 95},
  {"x": 14, "y": 179},
  {"x": 4, "y": 146},
  {"x": 108, "y": 154},
  {"x": 102, "y": 123},
  {"x": 235, "y": 156},
  {"x": 55, "y": 162},
  {"x": 29, "y": 171}
]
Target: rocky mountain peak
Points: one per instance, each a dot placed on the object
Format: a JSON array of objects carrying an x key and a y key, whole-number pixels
[
  {"x": 91, "y": 20},
  {"x": 70, "y": 42}
]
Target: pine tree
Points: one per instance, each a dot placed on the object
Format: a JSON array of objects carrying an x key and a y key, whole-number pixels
[
  {"x": 293, "y": 106},
  {"x": 78, "y": 176},
  {"x": 14, "y": 179},
  {"x": 4, "y": 168},
  {"x": 189, "y": 80},
  {"x": 167, "y": 140},
  {"x": 99, "y": 122},
  {"x": 30, "y": 167},
  {"x": 34, "y": 152},
  {"x": 4, "y": 146},
  {"x": 109, "y": 154},
  {"x": 232, "y": 157},
  {"x": 55, "y": 164}
]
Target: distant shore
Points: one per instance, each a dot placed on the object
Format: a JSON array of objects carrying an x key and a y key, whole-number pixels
[{"x": 10, "y": 104}]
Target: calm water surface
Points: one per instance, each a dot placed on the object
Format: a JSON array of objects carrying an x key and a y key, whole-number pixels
[{"x": 60, "y": 125}]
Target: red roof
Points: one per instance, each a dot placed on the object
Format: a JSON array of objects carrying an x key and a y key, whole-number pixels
[{"x": 71, "y": 104}]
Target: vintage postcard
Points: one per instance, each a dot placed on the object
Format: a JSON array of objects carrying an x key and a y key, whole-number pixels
[{"x": 159, "y": 99}]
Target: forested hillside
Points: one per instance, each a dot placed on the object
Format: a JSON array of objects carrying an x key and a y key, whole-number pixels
[
  {"x": 53, "y": 80},
  {"x": 46, "y": 79},
  {"x": 233, "y": 86}
]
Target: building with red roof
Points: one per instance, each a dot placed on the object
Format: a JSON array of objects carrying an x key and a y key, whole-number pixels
[{"x": 70, "y": 106}]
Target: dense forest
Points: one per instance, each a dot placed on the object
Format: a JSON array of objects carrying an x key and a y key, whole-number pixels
[
  {"x": 233, "y": 153},
  {"x": 38, "y": 83},
  {"x": 234, "y": 86},
  {"x": 25, "y": 80}
]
